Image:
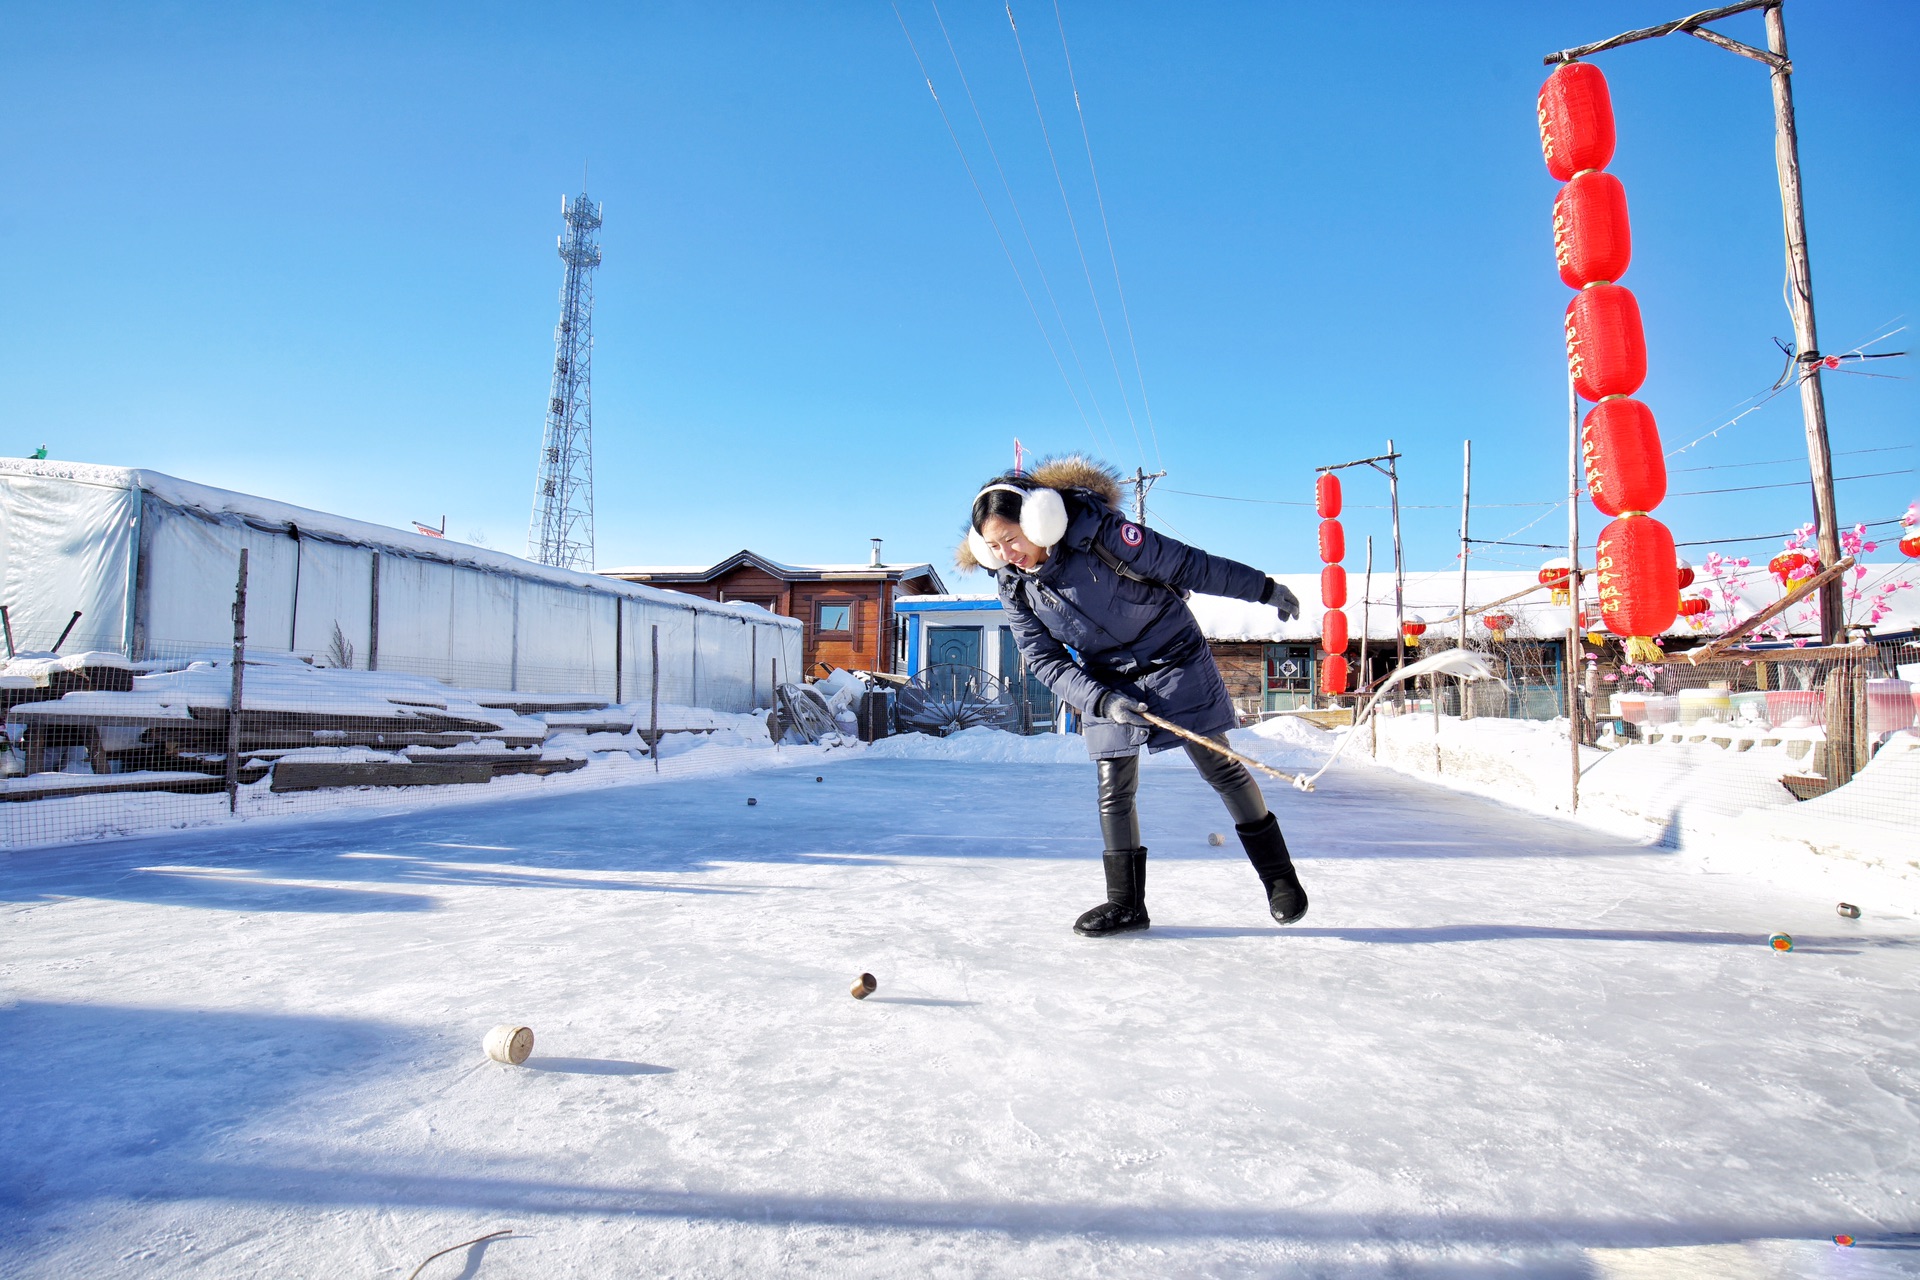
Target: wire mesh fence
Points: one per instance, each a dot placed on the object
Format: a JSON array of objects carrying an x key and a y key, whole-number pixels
[
  {"x": 1839, "y": 726},
  {"x": 1820, "y": 745},
  {"x": 99, "y": 744}
]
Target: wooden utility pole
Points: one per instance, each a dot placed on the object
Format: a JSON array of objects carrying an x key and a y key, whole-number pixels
[
  {"x": 1142, "y": 480},
  {"x": 233, "y": 698},
  {"x": 1571, "y": 667},
  {"x": 1365, "y": 681},
  {"x": 1466, "y": 497},
  {"x": 1813, "y": 404}
]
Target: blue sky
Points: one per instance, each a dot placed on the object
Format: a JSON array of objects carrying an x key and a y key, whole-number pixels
[{"x": 308, "y": 252}]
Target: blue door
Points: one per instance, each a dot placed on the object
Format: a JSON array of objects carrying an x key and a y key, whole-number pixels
[
  {"x": 955, "y": 646},
  {"x": 1034, "y": 699}
]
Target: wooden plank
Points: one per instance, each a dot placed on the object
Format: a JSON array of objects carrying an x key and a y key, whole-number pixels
[
  {"x": 1694, "y": 657},
  {"x": 18, "y": 790},
  {"x": 315, "y": 775}
]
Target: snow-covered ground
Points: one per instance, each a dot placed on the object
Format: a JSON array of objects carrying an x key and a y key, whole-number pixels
[
  {"x": 1725, "y": 808},
  {"x": 1500, "y": 1043}
]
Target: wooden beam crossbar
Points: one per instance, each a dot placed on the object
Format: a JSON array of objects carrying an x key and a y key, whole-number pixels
[
  {"x": 1694, "y": 657},
  {"x": 1690, "y": 25}
]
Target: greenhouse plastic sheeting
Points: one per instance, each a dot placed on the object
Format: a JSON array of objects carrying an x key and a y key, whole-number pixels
[
  {"x": 75, "y": 536},
  {"x": 66, "y": 546}
]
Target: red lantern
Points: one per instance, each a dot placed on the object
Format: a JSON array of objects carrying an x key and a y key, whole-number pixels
[
  {"x": 1333, "y": 674},
  {"x": 1910, "y": 541},
  {"x": 1694, "y": 610},
  {"x": 1333, "y": 631},
  {"x": 1626, "y": 470},
  {"x": 1497, "y": 624},
  {"x": 1413, "y": 626},
  {"x": 1326, "y": 495},
  {"x": 1639, "y": 582},
  {"x": 1793, "y": 568},
  {"x": 1606, "y": 347},
  {"x": 1557, "y": 573},
  {"x": 1592, "y": 241},
  {"x": 1333, "y": 542},
  {"x": 1686, "y": 574},
  {"x": 1333, "y": 587},
  {"x": 1576, "y": 120}
]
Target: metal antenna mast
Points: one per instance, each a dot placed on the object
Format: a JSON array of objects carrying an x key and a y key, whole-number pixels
[{"x": 562, "y": 530}]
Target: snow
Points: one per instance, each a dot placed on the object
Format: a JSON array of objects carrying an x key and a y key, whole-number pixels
[
  {"x": 1500, "y": 1043},
  {"x": 1722, "y": 806}
]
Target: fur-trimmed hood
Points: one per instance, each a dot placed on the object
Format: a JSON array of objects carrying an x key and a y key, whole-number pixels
[{"x": 1068, "y": 473}]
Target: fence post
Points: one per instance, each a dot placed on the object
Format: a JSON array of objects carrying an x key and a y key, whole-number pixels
[
  {"x": 1840, "y": 727},
  {"x": 233, "y": 699},
  {"x": 619, "y": 648},
  {"x": 1862, "y": 727},
  {"x": 653, "y": 703}
]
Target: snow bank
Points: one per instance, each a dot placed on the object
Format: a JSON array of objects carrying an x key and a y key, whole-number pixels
[
  {"x": 1726, "y": 809},
  {"x": 984, "y": 746}
]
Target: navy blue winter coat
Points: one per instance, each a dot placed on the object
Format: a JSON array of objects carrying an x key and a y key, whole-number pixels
[{"x": 1138, "y": 638}]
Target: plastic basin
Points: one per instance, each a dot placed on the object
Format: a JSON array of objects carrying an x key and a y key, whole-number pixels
[{"x": 1792, "y": 707}]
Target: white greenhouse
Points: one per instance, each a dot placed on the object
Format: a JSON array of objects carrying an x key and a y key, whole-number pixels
[{"x": 149, "y": 564}]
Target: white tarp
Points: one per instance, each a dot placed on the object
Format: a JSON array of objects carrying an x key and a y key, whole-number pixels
[
  {"x": 75, "y": 536},
  {"x": 86, "y": 530}
]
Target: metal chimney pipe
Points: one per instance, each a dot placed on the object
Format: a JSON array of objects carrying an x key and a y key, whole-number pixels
[{"x": 875, "y": 561}]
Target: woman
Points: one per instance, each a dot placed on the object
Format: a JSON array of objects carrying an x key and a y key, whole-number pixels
[{"x": 1097, "y": 606}]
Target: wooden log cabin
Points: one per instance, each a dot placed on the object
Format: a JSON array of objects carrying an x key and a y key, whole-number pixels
[{"x": 845, "y": 610}]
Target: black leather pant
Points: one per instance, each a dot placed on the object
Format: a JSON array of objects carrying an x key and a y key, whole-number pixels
[{"x": 1119, "y": 779}]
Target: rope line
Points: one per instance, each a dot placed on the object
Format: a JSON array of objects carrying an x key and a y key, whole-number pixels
[
  {"x": 1073, "y": 225},
  {"x": 1100, "y": 201},
  {"x": 994, "y": 222},
  {"x": 1040, "y": 269}
]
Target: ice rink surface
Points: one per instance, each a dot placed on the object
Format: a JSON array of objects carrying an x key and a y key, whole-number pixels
[{"x": 1498, "y": 1045}]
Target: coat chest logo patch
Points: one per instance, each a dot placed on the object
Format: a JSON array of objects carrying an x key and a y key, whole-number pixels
[{"x": 1131, "y": 535}]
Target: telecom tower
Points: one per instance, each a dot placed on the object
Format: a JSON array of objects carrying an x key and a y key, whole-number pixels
[{"x": 562, "y": 529}]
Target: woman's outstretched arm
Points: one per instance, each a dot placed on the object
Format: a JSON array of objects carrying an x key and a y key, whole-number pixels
[{"x": 1180, "y": 566}]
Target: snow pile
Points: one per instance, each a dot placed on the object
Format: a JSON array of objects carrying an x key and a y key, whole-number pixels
[
  {"x": 36, "y": 670},
  {"x": 981, "y": 745},
  {"x": 1725, "y": 808}
]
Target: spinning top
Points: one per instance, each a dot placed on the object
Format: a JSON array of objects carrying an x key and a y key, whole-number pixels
[
  {"x": 864, "y": 986},
  {"x": 819, "y": 779},
  {"x": 1214, "y": 837},
  {"x": 1781, "y": 942},
  {"x": 509, "y": 1044},
  {"x": 1850, "y": 911},
  {"x": 751, "y": 800}
]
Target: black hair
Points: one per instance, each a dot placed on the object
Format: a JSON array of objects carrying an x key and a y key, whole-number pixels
[{"x": 1000, "y": 502}]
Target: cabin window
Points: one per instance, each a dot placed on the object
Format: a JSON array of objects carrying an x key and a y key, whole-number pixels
[{"x": 833, "y": 618}]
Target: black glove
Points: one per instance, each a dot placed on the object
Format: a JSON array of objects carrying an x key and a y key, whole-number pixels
[
  {"x": 1121, "y": 709},
  {"x": 1281, "y": 598}
]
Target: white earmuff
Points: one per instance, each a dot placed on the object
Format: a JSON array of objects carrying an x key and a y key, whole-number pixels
[
  {"x": 984, "y": 553},
  {"x": 1043, "y": 514},
  {"x": 1043, "y": 517}
]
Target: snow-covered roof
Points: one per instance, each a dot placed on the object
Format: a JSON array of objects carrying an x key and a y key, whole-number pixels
[
  {"x": 790, "y": 572},
  {"x": 267, "y": 513}
]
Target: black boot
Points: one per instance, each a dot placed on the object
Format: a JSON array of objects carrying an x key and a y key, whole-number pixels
[
  {"x": 1267, "y": 851},
  {"x": 1126, "y": 906}
]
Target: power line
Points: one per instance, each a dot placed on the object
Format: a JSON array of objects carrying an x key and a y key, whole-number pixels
[
  {"x": 1099, "y": 313},
  {"x": 1040, "y": 269},
  {"x": 1357, "y": 506},
  {"x": 1790, "y": 484},
  {"x": 1775, "y": 462},
  {"x": 1100, "y": 201},
  {"x": 995, "y": 224}
]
